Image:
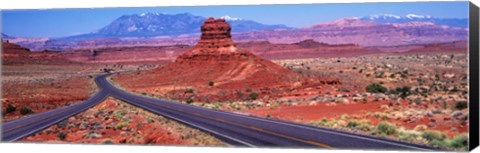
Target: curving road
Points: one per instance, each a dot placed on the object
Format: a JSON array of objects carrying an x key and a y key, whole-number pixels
[
  {"x": 17, "y": 129},
  {"x": 234, "y": 129}
]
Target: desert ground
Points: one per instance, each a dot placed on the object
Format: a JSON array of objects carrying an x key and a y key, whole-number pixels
[
  {"x": 116, "y": 122},
  {"x": 419, "y": 97}
]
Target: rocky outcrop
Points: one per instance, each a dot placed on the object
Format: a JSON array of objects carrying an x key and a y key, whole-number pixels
[
  {"x": 13, "y": 54},
  {"x": 217, "y": 66},
  {"x": 216, "y": 58},
  {"x": 215, "y": 43}
]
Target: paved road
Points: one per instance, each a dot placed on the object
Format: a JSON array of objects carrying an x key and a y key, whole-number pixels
[
  {"x": 17, "y": 129},
  {"x": 234, "y": 129}
]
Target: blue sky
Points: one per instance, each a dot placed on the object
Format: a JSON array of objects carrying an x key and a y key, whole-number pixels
[{"x": 66, "y": 22}]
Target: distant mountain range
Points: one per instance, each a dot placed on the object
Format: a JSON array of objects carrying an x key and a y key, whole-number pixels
[
  {"x": 4, "y": 36},
  {"x": 390, "y": 18},
  {"x": 147, "y": 25},
  {"x": 154, "y": 29}
]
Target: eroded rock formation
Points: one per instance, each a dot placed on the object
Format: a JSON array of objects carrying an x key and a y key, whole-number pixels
[{"x": 216, "y": 60}]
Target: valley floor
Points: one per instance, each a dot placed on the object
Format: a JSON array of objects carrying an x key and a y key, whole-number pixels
[{"x": 417, "y": 98}]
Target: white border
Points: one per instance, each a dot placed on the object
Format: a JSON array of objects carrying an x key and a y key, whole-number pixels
[
  {"x": 70, "y": 148},
  {"x": 46, "y": 4}
]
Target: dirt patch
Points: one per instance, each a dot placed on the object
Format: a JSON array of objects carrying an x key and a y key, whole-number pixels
[{"x": 116, "y": 122}]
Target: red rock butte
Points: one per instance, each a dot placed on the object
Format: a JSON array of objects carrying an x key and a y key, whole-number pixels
[
  {"x": 216, "y": 39},
  {"x": 216, "y": 36},
  {"x": 217, "y": 59}
]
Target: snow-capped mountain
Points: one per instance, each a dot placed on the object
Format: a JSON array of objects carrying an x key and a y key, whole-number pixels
[
  {"x": 150, "y": 24},
  {"x": 229, "y": 18},
  {"x": 390, "y": 18}
]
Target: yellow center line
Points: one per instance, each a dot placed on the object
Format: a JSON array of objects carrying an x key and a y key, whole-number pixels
[{"x": 250, "y": 127}]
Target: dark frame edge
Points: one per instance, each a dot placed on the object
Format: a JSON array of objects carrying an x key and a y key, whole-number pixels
[{"x": 474, "y": 76}]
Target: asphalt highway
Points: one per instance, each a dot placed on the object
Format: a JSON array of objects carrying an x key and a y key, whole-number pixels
[
  {"x": 17, "y": 129},
  {"x": 234, "y": 129}
]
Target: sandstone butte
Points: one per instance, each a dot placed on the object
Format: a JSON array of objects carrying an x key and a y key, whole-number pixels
[{"x": 216, "y": 58}]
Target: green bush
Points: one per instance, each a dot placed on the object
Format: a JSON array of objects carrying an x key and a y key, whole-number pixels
[
  {"x": 459, "y": 141},
  {"x": 25, "y": 111},
  {"x": 121, "y": 125},
  {"x": 375, "y": 88},
  {"x": 323, "y": 122},
  {"x": 189, "y": 91},
  {"x": 189, "y": 101},
  {"x": 62, "y": 136},
  {"x": 108, "y": 141},
  {"x": 352, "y": 124},
  {"x": 433, "y": 135},
  {"x": 406, "y": 137},
  {"x": 10, "y": 109},
  {"x": 392, "y": 75},
  {"x": 364, "y": 126},
  {"x": 211, "y": 83},
  {"x": 253, "y": 96},
  {"x": 402, "y": 92},
  {"x": 120, "y": 113},
  {"x": 386, "y": 128},
  {"x": 461, "y": 105},
  {"x": 438, "y": 144}
]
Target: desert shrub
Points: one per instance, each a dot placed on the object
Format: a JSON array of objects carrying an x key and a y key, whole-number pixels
[
  {"x": 433, "y": 135},
  {"x": 459, "y": 141},
  {"x": 444, "y": 105},
  {"x": 323, "y": 122},
  {"x": 189, "y": 101},
  {"x": 253, "y": 96},
  {"x": 25, "y": 111},
  {"x": 438, "y": 143},
  {"x": 375, "y": 88},
  {"x": 239, "y": 94},
  {"x": 108, "y": 141},
  {"x": 386, "y": 128},
  {"x": 436, "y": 111},
  {"x": 120, "y": 113},
  {"x": 211, "y": 83},
  {"x": 420, "y": 127},
  {"x": 10, "y": 109},
  {"x": 364, "y": 126},
  {"x": 274, "y": 106},
  {"x": 392, "y": 75},
  {"x": 379, "y": 75},
  {"x": 121, "y": 125},
  {"x": 402, "y": 92},
  {"x": 62, "y": 136},
  {"x": 407, "y": 136},
  {"x": 461, "y": 105},
  {"x": 352, "y": 124},
  {"x": 189, "y": 91},
  {"x": 144, "y": 93},
  {"x": 268, "y": 116}
]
